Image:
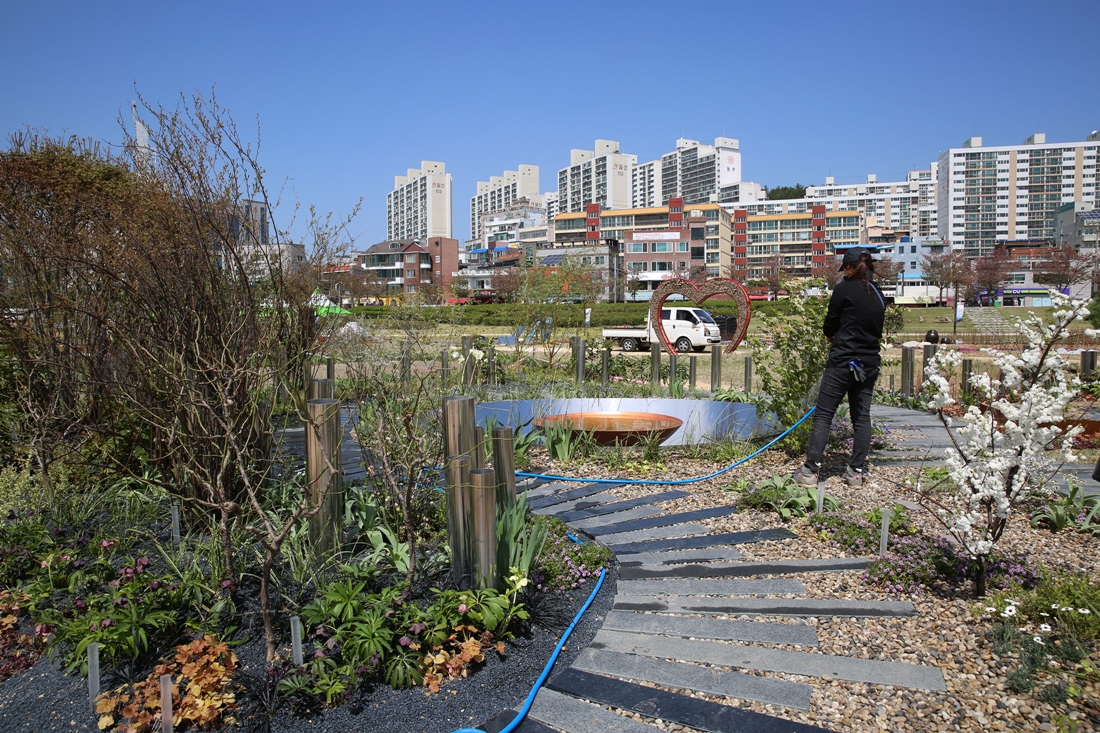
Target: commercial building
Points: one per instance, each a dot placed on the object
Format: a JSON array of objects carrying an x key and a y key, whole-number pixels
[
  {"x": 709, "y": 226},
  {"x": 419, "y": 206},
  {"x": 600, "y": 176},
  {"x": 1076, "y": 225},
  {"x": 910, "y": 286},
  {"x": 988, "y": 195},
  {"x": 500, "y": 192},
  {"x": 801, "y": 243},
  {"x": 411, "y": 266}
]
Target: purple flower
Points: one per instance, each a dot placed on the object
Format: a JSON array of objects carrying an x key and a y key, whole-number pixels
[
  {"x": 404, "y": 641},
  {"x": 106, "y": 623}
]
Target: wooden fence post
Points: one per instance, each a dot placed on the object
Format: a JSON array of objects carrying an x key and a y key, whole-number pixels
[
  {"x": 323, "y": 437},
  {"x": 485, "y": 527}
]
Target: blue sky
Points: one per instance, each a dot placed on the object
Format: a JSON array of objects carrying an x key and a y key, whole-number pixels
[{"x": 349, "y": 95}]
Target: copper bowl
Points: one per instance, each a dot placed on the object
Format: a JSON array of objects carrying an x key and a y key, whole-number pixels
[{"x": 628, "y": 428}]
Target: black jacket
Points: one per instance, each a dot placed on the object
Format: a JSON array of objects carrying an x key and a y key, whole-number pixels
[{"x": 854, "y": 322}]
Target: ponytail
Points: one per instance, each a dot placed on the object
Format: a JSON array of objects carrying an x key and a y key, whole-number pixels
[{"x": 863, "y": 271}]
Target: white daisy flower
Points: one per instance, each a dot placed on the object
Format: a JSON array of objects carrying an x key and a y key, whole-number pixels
[{"x": 1044, "y": 627}]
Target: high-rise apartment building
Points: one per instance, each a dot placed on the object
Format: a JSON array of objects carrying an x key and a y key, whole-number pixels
[
  {"x": 550, "y": 199},
  {"x": 987, "y": 195},
  {"x": 419, "y": 206},
  {"x": 694, "y": 172},
  {"x": 499, "y": 192},
  {"x": 600, "y": 176},
  {"x": 907, "y": 206}
]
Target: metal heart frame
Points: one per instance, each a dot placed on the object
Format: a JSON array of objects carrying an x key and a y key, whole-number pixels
[{"x": 697, "y": 294}]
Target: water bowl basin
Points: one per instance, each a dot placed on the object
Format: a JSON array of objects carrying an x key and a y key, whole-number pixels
[{"x": 628, "y": 428}]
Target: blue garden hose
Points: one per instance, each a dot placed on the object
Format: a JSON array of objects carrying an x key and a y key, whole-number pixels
[
  {"x": 679, "y": 482},
  {"x": 549, "y": 665}
]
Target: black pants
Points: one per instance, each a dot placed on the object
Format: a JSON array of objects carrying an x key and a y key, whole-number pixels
[{"x": 835, "y": 383}]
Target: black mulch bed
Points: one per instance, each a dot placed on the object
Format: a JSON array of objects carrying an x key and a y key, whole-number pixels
[{"x": 46, "y": 701}]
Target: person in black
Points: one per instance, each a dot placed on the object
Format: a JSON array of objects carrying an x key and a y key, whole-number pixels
[{"x": 853, "y": 325}]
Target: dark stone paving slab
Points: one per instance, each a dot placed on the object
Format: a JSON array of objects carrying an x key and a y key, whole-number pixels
[
  {"x": 711, "y": 628},
  {"x": 681, "y": 557},
  {"x": 670, "y": 707},
  {"x": 662, "y": 521},
  {"x": 576, "y": 716},
  {"x": 605, "y": 497},
  {"x": 767, "y": 587},
  {"x": 624, "y": 549},
  {"x": 765, "y": 606},
  {"x": 638, "y": 512},
  {"x": 503, "y": 719},
  {"x": 774, "y": 567},
  {"x": 873, "y": 671},
  {"x": 619, "y": 506},
  {"x": 653, "y": 533},
  {"x": 700, "y": 679},
  {"x": 560, "y": 497}
]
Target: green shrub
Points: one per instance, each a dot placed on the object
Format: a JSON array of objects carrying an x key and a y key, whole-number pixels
[
  {"x": 1068, "y": 601},
  {"x": 564, "y": 564}
]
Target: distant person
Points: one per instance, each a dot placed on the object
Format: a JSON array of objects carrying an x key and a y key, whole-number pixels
[{"x": 853, "y": 326}]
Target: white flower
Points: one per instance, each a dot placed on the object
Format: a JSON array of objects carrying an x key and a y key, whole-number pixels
[
  {"x": 1067, "y": 608},
  {"x": 1009, "y": 611},
  {"x": 1044, "y": 627},
  {"x": 1083, "y": 610},
  {"x": 1054, "y": 606},
  {"x": 990, "y": 609},
  {"x": 1038, "y": 639}
]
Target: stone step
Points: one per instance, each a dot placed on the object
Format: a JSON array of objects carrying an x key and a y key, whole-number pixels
[
  {"x": 671, "y": 707},
  {"x": 503, "y": 719},
  {"x": 588, "y": 501},
  {"x": 797, "y": 634},
  {"x": 873, "y": 671},
  {"x": 698, "y": 679},
  {"x": 641, "y": 512},
  {"x": 535, "y": 487},
  {"x": 768, "y": 587},
  {"x": 618, "y": 506},
  {"x": 578, "y": 492},
  {"x": 623, "y": 549},
  {"x": 662, "y": 521},
  {"x": 707, "y": 554},
  {"x": 765, "y": 606},
  {"x": 766, "y": 567},
  {"x": 653, "y": 533},
  {"x": 567, "y": 713}
]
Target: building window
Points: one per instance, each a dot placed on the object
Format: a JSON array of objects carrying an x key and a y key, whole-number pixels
[
  {"x": 410, "y": 257},
  {"x": 410, "y": 288},
  {"x": 410, "y": 273},
  {"x": 639, "y": 266},
  {"x": 637, "y": 247},
  {"x": 660, "y": 247}
]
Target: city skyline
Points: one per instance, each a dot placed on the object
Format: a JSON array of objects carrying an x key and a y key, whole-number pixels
[{"x": 346, "y": 103}]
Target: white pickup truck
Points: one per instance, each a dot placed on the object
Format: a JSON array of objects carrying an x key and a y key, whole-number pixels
[{"x": 686, "y": 329}]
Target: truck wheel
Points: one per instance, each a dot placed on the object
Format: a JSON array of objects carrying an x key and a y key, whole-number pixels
[
  {"x": 683, "y": 344},
  {"x": 629, "y": 344}
]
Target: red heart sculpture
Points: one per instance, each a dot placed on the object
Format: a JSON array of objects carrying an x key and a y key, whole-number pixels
[{"x": 697, "y": 294}]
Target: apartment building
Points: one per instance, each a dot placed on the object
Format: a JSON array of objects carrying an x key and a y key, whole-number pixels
[
  {"x": 694, "y": 172},
  {"x": 703, "y": 225},
  {"x": 500, "y": 192},
  {"x": 419, "y": 206},
  {"x": 505, "y": 223},
  {"x": 600, "y": 176},
  {"x": 411, "y": 266},
  {"x": 907, "y": 206},
  {"x": 550, "y": 199},
  {"x": 802, "y": 242},
  {"x": 987, "y": 195}
]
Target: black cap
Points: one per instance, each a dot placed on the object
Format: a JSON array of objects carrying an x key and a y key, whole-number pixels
[{"x": 854, "y": 255}]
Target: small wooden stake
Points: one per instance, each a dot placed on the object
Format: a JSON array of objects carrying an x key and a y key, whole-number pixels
[
  {"x": 748, "y": 374},
  {"x": 884, "y": 530},
  {"x": 296, "y": 639},
  {"x": 504, "y": 463},
  {"x": 166, "y": 724},
  {"x": 605, "y": 366},
  {"x": 715, "y": 367},
  {"x": 820, "y": 497},
  {"x": 93, "y": 673},
  {"x": 175, "y": 526},
  {"x": 692, "y": 364}
]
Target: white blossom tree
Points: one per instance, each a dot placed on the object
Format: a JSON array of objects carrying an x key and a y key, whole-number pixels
[{"x": 1000, "y": 455}]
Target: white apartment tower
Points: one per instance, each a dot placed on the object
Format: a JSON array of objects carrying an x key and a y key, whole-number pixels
[
  {"x": 550, "y": 199},
  {"x": 908, "y": 205},
  {"x": 1001, "y": 193},
  {"x": 600, "y": 176},
  {"x": 499, "y": 192},
  {"x": 695, "y": 172},
  {"x": 419, "y": 206}
]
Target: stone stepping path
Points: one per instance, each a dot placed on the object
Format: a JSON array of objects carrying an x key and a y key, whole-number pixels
[
  {"x": 676, "y": 580},
  {"x": 644, "y": 668},
  {"x": 772, "y": 567},
  {"x": 777, "y": 587},
  {"x": 765, "y": 606},
  {"x": 662, "y": 520},
  {"x": 624, "y": 549},
  {"x": 618, "y": 506},
  {"x": 670, "y": 707},
  {"x": 727, "y": 654},
  {"x": 681, "y": 557},
  {"x": 712, "y": 628}
]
